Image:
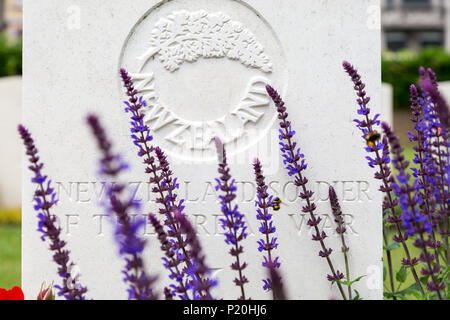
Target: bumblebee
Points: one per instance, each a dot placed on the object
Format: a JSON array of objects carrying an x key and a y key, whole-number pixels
[
  {"x": 276, "y": 202},
  {"x": 372, "y": 138}
]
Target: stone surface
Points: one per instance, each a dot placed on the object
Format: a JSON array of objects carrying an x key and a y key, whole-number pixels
[
  {"x": 10, "y": 161},
  {"x": 444, "y": 88},
  {"x": 214, "y": 87}
]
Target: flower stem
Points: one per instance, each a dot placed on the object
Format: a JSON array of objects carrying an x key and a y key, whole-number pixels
[{"x": 389, "y": 262}]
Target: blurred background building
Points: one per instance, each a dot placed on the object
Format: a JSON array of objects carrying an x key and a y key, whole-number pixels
[
  {"x": 415, "y": 24},
  {"x": 11, "y": 18}
]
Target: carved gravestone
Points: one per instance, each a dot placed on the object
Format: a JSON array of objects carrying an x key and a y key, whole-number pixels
[
  {"x": 444, "y": 88},
  {"x": 201, "y": 66},
  {"x": 11, "y": 112}
]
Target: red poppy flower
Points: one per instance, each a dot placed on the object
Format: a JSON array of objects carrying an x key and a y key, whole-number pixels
[{"x": 14, "y": 294}]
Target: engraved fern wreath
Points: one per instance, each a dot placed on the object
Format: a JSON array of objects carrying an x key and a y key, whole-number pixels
[{"x": 186, "y": 36}]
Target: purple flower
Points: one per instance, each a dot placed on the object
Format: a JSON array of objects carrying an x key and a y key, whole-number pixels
[
  {"x": 429, "y": 85},
  {"x": 295, "y": 165},
  {"x": 45, "y": 199},
  {"x": 424, "y": 175},
  {"x": 337, "y": 213},
  {"x": 140, "y": 132},
  {"x": 380, "y": 160},
  {"x": 339, "y": 276},
  {"x": 168, "y": 294},
  {"x": 425, "y": 183},
  {"x": 198, "y": 269},
  {"x": 274, "y": 282},
  {"x": 233, "y": 221},
  {"x": 340, "y": 230},
  {"x": 165, "y": 188},
  {"x": 437, "y": 138},
  {"x": 401, "y": 187},
  {"x": 172, "y": 262},
  {"x": 263, "y": 203},
  {"x": 366, "y": 125},
  {"x": 159, "y": 170},
  {"x": 131, "y": 245}
]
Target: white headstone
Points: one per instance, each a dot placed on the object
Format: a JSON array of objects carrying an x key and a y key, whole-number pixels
[
  {"x": 11, "y": 155},
  {"x": 71, "y": 62},
  {"x": 444, "y": 88}
]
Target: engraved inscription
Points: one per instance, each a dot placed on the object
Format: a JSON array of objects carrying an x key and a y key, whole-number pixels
[
  {"x": 208, "y": 224},
  {"x": 327, "y": 224},
  {"x": 201, "y": 193},
  {"x": 199, "y": 135}
]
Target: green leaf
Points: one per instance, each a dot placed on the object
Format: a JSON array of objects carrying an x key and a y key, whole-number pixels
[
  {"x": 388, "y": 295},
  {"x": 391, "y": 246},
  {"x": 401, "y": 275},
  {"x": 417, "y": 294},
  {"x": 349, "y": 283},
  {"x": 412, "y": 290},
  {"x": 444, "y": 275},
  {"x": 357, "y": 296},
  {"x": 424, "y": 280},
  {"x": 433, "y": 296},
  {"x": 384, "y": 274},
  {"x": 400, "y": 295}
]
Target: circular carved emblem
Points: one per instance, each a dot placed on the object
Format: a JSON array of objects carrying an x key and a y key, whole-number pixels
[{"x": 202, "y": 68}]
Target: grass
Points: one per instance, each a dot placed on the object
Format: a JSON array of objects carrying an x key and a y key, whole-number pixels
[
  {"x": 10, "y": 256},
  {"x": 11, "y": 216}
]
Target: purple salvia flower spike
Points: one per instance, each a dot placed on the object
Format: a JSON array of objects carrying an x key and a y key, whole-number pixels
[
  {"x": 426, "y": 186},
  {"x": 167, "y": 196},
  {"x": 263, "y": 203},
  {"x": 172, "y": 262},
  {"x": 340, "y": 230},
  {"x": 45, "y": 199},
  {"x": 233, "y": 221},
  {"x": 200, "y": 272},
  {"x": 140, "y": 132},
  {"x": 295, "y": 165},
  {"x": 160, "y": 173},
  {"x": 442, "y": 107},
  {"x": 380, "y": 160},
  {"x": 435, "y": 109},
  {"x": 131, "y": 245},
  {"x": 275, "y": 283},
  {"x": 424, "y": 176}
]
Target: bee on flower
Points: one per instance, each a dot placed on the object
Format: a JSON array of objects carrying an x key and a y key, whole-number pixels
[{"x": 372, "y": 138}]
